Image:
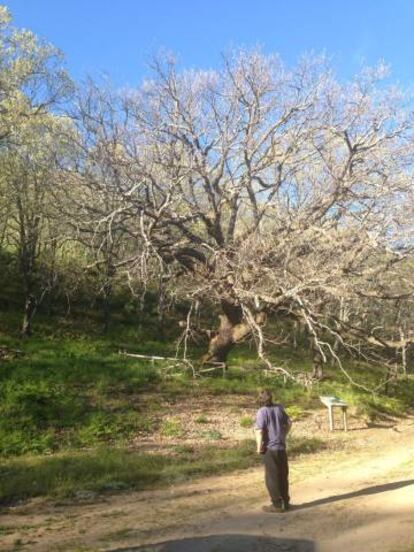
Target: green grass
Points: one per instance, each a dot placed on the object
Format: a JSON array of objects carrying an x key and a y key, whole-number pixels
[
  {"x": 65, "y": 394},
  {"x": 304, "y": 446},
  {"x": 246, "y": 422},
  {"x": 172, "y": 428},
  {"x": 73, "y": 395},
  {"x": 103, "y": 470},
  {"x": 212, "y": 435},
  {"x": 63, "y": 474},
  {"x": 69, "y": 391}
]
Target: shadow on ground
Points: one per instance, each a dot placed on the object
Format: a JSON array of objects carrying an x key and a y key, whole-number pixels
[
  {"x": 365, "y": 491},
  {"x": 226, "y": 543}
]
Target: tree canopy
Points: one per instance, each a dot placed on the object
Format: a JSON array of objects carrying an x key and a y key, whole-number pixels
[{"x": 261, "y": 190}]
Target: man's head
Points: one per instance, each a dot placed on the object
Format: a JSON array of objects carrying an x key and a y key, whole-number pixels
[{"x": 265, "y": 397}]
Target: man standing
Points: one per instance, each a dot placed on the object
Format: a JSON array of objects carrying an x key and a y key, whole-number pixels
[{"x": 272, "y": 426}]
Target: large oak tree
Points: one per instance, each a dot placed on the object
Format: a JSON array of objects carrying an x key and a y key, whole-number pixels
[{"x": 259, "y": 189}]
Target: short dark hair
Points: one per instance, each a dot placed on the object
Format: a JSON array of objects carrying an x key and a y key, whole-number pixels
[{"x": 265, "y": 397}]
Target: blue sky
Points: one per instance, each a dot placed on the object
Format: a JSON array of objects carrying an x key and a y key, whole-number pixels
[{"x": 118, "y": 36}]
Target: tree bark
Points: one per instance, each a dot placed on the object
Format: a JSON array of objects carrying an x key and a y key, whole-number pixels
[
  {"x": 107, "y": 294},
  {"x": 29, "y": 310},
  {"x": 232, "y": 329},
  {"x": 317, "y": 361}
]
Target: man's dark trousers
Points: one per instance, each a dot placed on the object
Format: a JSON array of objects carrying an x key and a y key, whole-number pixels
[{"x": 276, "y": 475}]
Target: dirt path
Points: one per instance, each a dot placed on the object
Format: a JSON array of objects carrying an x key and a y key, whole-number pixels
[{"x": 359, "y": 499}]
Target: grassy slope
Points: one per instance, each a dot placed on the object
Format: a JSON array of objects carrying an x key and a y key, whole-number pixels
[{"x": 72, "y": 394}]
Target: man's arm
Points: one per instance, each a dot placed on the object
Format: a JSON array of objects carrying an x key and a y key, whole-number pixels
[
  {"x": 258, "y": 433},
  {"x": 288, "y": 426}
]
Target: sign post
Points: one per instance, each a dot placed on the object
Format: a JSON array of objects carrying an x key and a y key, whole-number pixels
[{"x": 330, "y": 403}]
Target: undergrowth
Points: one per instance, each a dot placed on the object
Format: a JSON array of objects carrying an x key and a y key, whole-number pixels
[{"x": 69, "y": 392}]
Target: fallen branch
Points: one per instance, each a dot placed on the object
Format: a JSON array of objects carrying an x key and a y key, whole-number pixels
[
  {"x": 153, "y": 358},
  {"x": 186, "y": 361},
  {"x": 150, "y": 357}
]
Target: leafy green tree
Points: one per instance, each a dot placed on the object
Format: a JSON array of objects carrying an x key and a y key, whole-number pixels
[{"x": 33, "y": 87}]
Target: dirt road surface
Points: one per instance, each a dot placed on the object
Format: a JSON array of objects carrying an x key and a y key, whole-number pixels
[{"x": 358, "y": 499}]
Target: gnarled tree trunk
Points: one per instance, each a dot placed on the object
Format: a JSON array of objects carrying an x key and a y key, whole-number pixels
[{"x": 232, "y": 329}]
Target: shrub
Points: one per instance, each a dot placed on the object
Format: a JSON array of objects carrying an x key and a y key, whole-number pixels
[
  {"x": 246, "y": 422},
  {"x": 172, "y": 428},
  {"x": 295, "y": 412}
]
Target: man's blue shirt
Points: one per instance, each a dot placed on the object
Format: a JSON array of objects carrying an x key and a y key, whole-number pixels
[{"x": 273, "y": 421}]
